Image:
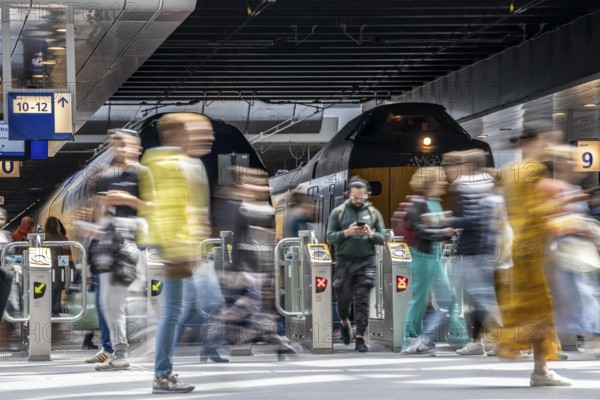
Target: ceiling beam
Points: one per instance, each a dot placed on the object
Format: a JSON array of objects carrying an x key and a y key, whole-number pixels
[{"x": 554, "y": 61}]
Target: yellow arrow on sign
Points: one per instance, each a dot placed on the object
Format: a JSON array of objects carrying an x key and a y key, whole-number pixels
[
  {"x": 156, "y": 286},
  {"x": 39, "y": 289}
]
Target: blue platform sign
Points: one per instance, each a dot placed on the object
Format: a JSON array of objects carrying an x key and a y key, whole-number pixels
[{"x": 40, "y": 116}]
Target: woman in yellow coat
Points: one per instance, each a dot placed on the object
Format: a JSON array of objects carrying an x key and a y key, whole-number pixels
[{"x": 527, "y": 313}]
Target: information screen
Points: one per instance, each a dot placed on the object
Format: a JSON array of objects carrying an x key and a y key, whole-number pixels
[{"x": 10, "y": 148}]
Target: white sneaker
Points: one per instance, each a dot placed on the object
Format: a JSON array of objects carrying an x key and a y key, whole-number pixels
[
  {"x": 493, "y": 352},
  {"x": 471, "y": 349},
  {"x": 420, "y": 348},
  {"x": 114, "y": 364},
  {"x": 551, "y": 379},
  {"x": 99, "y": 357}
]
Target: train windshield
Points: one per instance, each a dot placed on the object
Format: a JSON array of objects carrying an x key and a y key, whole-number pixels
[
  {"x": 406, "y": 124},
  {"x": 399, "y": 126}
]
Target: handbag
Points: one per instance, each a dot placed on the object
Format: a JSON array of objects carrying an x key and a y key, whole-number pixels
[
  {"x": 575, "y": 254},
  {"x": 117, "y": 252},
  {"x": 208, "y": 289}
]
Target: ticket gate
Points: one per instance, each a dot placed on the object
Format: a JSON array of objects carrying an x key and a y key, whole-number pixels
[
  {"x": 391, "y": 295},
  {"x": 456, "y": 332},
  {"x": 38, "y": 276},
  {"x": 212, "y": 250},
  {"x": 155, "y": 279},
  {"x": 308, "y": 291},
  {"x": 219, "y": 252}
]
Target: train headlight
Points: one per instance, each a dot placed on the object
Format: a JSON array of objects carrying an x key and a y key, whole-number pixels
[{"x": 427, "y": 141}]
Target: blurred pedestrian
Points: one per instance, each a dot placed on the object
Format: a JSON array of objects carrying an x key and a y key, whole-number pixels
[
  {"x": 426, "y": 219},
  {"x": 574, "y": 284},
  {"x": 52, "y": 233},
  {"x": 528, "y": 315},
  {"x": 118, "y": 254},
  {"x": 175, "y": 187},
  {"x": 299, "y": 215},
  {"x": 471, "y": 271},
  {"x": 26, "y": 227}
]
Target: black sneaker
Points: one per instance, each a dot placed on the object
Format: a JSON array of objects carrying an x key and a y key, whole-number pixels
[
  {"x": 345, "y": 334},
  {"x": 170, "y": 384},
  {"x": 360, "y": 345}
]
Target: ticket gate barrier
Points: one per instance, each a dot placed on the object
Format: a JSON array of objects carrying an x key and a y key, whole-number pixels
[
  {"x": 392, "y": 293},
  {"x": 38, "y": 277},
  {"x": 156, "y": 268},
  {"x": 221, "y": 255},
  {"x": 155, "y": 278},
  {"x": 308, "y": 291},
  {"x": 456, "y": 332}
]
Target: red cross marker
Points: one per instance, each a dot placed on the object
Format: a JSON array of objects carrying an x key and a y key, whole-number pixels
[
  {"x": 401, "y": 283},
  {"x": 321, "y": 284}
]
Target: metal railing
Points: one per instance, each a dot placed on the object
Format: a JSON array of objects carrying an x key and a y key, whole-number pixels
[
  {"x": 18, "y": 320},
  {"x": 278, "y": 264}
]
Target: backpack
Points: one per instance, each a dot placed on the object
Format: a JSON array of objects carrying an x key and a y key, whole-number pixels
[
  {"x": 400, "y": 221},
  {"x": 342, "y": 208}
]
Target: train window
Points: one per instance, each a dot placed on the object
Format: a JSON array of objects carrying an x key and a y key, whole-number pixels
[
  {"x": 376, "y": 188},
  {"x": 313, "y": 191},
  {"x": 400, "y": 124}
]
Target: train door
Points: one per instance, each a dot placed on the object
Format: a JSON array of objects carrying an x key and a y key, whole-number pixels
[
  {"x": 379, "y": 179},
  {"x": 389, "y": 185},
  {"x": 399, "y": 187}
]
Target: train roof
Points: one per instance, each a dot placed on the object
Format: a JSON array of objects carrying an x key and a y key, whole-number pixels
[
  {"x": 228, "y": 139},
  {"x": 384, "y": 135}
]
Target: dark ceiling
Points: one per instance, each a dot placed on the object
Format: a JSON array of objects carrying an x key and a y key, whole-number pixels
[{"x": 333, "y": 50}]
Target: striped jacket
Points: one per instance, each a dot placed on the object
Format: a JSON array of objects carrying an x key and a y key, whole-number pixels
[{"x": 466, "y": 193}]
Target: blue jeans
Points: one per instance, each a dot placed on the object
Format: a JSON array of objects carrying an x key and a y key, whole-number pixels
[
  {"x": 104, "y": 331},
  {"x": 170, "y": 318},
  {"x": 189, "y": 306}
]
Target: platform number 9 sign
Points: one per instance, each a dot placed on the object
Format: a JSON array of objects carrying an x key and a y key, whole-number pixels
[
  {"x": 587, "y": 151},
  {"x": 588, "y": 159}
]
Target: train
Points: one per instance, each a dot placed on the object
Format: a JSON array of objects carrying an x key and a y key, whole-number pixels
[
  {"x": 73, "y": 199},
  {"x": 384, "y": 145}
]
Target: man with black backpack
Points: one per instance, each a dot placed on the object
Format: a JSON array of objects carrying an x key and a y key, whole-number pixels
[{"x": 354, "y": 228}]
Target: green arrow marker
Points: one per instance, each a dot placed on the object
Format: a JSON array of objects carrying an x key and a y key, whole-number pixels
[
  {"x": 156, "y": 286},
  {"x": 39, "y": 289}
]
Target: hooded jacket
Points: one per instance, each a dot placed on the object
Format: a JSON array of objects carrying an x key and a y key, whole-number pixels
[
  {"x": 176, "y": 190},
  {"x": 359, "y": 246}
]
